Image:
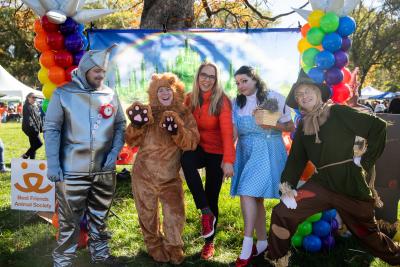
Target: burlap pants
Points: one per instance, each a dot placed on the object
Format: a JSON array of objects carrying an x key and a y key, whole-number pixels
[
  {"x": 90, "y": 194},
  {"x": 357, "y": 215}
]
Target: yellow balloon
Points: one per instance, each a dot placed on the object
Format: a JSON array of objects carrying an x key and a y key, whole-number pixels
[
  {"x": 43, "y": 75},
  {"x": 48, "y": 89},
  {"x": 315, "y": 17},
  {"x": 303, "y": 45}
]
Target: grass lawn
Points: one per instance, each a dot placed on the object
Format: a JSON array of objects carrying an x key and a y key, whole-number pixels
[{"x": 27, "y": 240}]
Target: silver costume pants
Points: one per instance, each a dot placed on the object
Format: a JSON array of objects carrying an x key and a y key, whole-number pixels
[{"x": 91, "y": 194}]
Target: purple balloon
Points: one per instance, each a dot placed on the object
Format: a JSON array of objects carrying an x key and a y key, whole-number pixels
[
  {"x": 334, "y": 225},
  {"x": 341, "y": 59},
  {"x": 346, "y": 43},
  {"x": 69, "y": 26},
  {"x": 73, "y": 42},
  {"x": 333, "y": 76},
  {"x": 77, "y": 57},
  {"x": 328, "y": 242}
]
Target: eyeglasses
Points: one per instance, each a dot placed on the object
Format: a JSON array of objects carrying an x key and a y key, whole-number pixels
[{"x": 205, "y": 76}]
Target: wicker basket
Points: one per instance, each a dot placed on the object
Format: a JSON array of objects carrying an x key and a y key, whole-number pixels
[{"x": 266, "y": 117}]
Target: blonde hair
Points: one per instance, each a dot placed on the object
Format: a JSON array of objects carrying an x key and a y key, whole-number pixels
[{"x": 217, "y": 95}]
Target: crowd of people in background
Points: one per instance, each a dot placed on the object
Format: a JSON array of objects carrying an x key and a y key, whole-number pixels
[{"x": 383, "y": 106}]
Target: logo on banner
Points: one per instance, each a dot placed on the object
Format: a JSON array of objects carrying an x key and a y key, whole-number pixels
[{"x": 30, "y": 188}]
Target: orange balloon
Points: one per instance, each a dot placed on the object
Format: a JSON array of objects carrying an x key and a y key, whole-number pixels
[
  {"x": 38, "y": 27},
  {"x": 40, "y": 42},
  {"x": 308, "y": 171},
  {"x": 57, "y": 75},
  {"x": 47, "y": 59},
  {"x": 306, "y": 27},
  {"x": 346, "y": 75},
  {"x": 287, "y": 141}
]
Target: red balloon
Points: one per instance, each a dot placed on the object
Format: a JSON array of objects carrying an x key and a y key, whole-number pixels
[
  {"x": 49, "y": 26},
  {"x": 305, "y": 29},
  {"x": 63, "y": 58},
  {"x": 346, "y": 75},
  {"x": 68, "y": 71},
  {"x": 55, "y": 40},
  {"x": 341, "y": 92}
]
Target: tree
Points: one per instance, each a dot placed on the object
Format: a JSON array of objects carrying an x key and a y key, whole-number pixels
[{"x": 376, "y": 42}]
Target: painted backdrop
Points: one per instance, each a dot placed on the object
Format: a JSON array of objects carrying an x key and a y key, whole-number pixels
[{"x": 273, "y": 52}]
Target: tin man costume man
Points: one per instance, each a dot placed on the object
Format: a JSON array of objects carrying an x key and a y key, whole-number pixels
[{"x": 84, "y": 132}]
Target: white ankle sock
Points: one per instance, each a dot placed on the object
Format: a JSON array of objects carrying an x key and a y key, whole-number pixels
[
  {"x": 261, "y": 245},
  {"x": 246, "y": 248}
]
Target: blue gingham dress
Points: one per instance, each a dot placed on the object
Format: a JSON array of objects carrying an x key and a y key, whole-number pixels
[{"x": 260, "y": 159}]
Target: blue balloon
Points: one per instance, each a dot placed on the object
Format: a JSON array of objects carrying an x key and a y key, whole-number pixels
[
  {"x": 312, "y": 243},
  {"x": 328, "y": 242},
  {"x": 81, "y": 27},
  {"x": 347, "y": 25},
  {"x": 73, "y": 42},
  {"x": 316, "y": 74},
  {"x": 324, "y": 60},
  {"x": 329, "y": 215},
  {"x": 321, "y": 228},
  {"x": 69, "y": 26},
  {"x": 332, "y": 42}
]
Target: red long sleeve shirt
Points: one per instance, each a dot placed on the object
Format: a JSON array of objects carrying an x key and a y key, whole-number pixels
[{"x": 216, "y": 132}]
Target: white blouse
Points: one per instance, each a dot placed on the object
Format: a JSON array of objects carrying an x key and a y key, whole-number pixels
[{"x": 251, "y": 104}]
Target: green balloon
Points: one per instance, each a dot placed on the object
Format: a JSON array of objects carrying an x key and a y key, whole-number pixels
[
  {"x": 329, "y": 22},
  {"x": 307, "y": 68},
  {"x": 305, "y": 228},
  {"x": 315, "y": 36},
  {"x": 315, "y": 218},
  {"x": 308, "y": 56},
  {"x": 297, "y": 240},
  {"x": 45, "y": 104}
]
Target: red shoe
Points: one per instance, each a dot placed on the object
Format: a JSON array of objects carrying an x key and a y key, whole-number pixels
[
  {"x": 243, "y": 263},
  {"x": 255, "y": 252},
  {"x": 208, "y": 251},
  {"x": 207, "y": 224}
]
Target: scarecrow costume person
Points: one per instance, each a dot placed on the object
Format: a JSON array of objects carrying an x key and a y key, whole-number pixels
[
  {"x": 161, "y": 130},
  {"x": 326, "y": 136},
  {"x": 84, "y": 132}
]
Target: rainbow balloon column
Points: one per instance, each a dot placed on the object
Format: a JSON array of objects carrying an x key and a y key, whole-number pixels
[
  {"x": 62, "y": 47},
  {"x": 317, "y": 232},
  {"x": 60, "y": 39},
  {"x": 325, "y": 42}
]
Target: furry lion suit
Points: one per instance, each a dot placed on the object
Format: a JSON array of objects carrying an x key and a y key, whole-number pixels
[{"x": 162, "y": 133}]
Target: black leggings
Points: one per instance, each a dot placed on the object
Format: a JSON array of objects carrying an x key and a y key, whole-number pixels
[
  {"x": 208, "y": 196},
  {"x": 36, "y": 143}
]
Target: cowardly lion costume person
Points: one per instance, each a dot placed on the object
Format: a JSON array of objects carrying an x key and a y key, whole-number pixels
[
  {"x": 326, "y": 136},
  {"x": 162, "y": 130}
]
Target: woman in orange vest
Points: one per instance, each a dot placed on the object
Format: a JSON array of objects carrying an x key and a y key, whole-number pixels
[{"x": 216, "y": 153}]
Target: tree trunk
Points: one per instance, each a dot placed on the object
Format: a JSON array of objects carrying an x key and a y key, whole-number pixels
[{"x": 174, "y": 14}]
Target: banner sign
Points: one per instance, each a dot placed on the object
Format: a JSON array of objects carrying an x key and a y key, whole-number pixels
[
  {"x": 30, "y": 189},
  {"x": 272, "y": 52}
]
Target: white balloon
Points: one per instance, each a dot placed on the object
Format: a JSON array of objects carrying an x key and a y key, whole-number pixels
[
  {"x": 70, "y": 7},
  {"x": 56, "y": 16},
  {"x": 49, "y": 4},
  {"x": 35, "y": 6},
  {"x": 88, "y": 15},
  {"x": 303, "y": 13},
  {"x": 336, "y": 6},
  {"x": 319, "y": 4},
  {"x": 349, "y": 6}
]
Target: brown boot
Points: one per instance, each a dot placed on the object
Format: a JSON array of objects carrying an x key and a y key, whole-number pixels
[
  {"x": 159, "y": 255},
  {"x": 176, "y": 256},
  {"x": 389, "y": 229}
]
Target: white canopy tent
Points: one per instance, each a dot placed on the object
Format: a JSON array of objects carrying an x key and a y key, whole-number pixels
[
  {"x": 11, "y": 87},
  {"x": 369, "y": 91}
]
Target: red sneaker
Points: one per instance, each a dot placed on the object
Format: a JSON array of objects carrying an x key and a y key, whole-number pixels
[
  {"x": 243, "y": 263},
  {"x": 208, "y": 251},
  {"x": 207, "y": 225}
]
